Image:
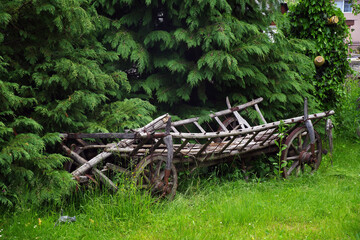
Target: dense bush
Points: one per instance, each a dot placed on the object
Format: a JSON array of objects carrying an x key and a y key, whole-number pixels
[
  {"x": 310, "y": 20},
  {"x": 53, "y": 78},
  {"x": 195, "y": 53}
]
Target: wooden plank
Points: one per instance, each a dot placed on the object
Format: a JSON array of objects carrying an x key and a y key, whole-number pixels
[
  {"x": 243, "y": 123},
  {"x": 98, "y": 135},
  {"x": 91, "y": 163},
  {"x": 267, "y": 138},
  {"x": 139, "y": 145},
  {"x": 203, "y": 148},
  {"x": 227, "y": 144},
  {"x": 104, "y": 179},
  {"x": 176, "y": 131},
  {"x": 155, "y": 146},
  {"x": 251, "y": 129},
  {"x": 260, "y": 114},
  {"x": 199, "y": 127},
  {"x": 117, "y": 168},
  {"x": 181, "y": 146},
  {"x": 221, "y": 125},
  {"x": 247, "y": 143},
  {"x": 96, "y": 171}
]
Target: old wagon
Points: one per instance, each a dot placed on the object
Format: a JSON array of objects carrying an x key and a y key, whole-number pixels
[{"x": 152, "y": 155}]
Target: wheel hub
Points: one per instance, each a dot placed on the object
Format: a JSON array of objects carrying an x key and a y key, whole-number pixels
[{"x": 307, "y": 157}]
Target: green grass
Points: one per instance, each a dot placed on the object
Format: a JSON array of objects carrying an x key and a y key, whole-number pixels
[{"x": 325, "y": 205}]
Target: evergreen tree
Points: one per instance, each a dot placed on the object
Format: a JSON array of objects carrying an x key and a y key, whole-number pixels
[
  {"x": 54, "y": 78},
  {"x": 197, "y": 52}
]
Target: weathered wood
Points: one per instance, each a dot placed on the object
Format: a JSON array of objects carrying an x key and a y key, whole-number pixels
[
  {"x": 242, "y": 122},
  {"x": 82, "y": 142},
  {"x": 81, "y": 179},
  {"x": 156, "y": 124},
  {"x": 181, "y": 146},
  {"x": 104, "y": 179},
  {"x": 251, "y": 138},
  {"x": 96, "y": 171},
  {"x": 117, "y": 168},
  {"x": 170, "y": 151},
  {"x": 203, "y": 148},
  {"x": 98, "y": 135},
  {"x": 76, "y": 157},
  {"x": 91, "y": 163},
  {"x": 155, "y": 146},
  {"x": 228, "y": 102},
  {"x": 221, "y": 124},
  {"x": 139, "y": 145},
  {"x": 199, "y": 127},
  {"x": 269, "y": 135},
  {"x": 227, "y": 145},
  {"x": 97, "y": 146},
  {"x": 260, "y": 114},
  {"x": 220, "y": 113},
  {"x": 251, "y": 129}
]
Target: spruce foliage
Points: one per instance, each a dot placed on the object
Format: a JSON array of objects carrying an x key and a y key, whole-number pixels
[
  {"x": 198, "y": 52},
  {"x": 54, "y": 77}
]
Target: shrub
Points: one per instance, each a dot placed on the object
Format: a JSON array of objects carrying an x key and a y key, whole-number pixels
[{"x": 310, "y": 20}]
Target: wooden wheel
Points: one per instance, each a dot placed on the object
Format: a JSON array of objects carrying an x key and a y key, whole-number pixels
[
  {"x": 150, "y": 173},
  {"x": 299, "y": 155}
]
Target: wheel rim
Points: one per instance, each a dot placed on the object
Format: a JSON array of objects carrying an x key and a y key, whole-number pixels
[
  {"x": 150, "y": 174},
  {"x": 298, "y": 154}
]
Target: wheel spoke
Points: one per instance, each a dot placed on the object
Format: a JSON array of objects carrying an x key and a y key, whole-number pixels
[
  {"x": 158, "y": 167},
  {"x": 295, "y": 148},
  {"x": 293, "y": 157},
  {"x": 152, "y": 173},
  {"x": 144, "y": 177},
  {"x": 293, "y": 166}
]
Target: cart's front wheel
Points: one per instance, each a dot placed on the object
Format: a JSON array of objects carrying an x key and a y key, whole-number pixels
[
  {"x": 151, "y": 173},
  {"x": 299, "y": 156}
]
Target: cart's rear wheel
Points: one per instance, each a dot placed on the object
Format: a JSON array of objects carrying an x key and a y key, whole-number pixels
[
  {"x": 150, "y": 173},
  {"x": 298, "y": 154}
]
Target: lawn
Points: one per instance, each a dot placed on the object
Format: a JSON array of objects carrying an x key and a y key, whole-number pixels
[{"x": 325, "y": 205}]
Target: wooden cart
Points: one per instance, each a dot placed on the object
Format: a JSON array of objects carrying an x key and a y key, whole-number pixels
[{"x": 152, "y": 155}]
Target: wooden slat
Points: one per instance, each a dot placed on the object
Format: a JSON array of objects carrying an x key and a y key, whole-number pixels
[
  {"x": 199, "y": 127},
  {"x": 155, "y": 146},
  {"x": 221, "y": 125},
  {"x": 243, "y": 123},
  {"x": 116, "y": 168},
  {"x": 139, "y": 146},
  {"x": 227, "y": 144},
  {"x": 203, "y": 148},
  {"x": 247, "y": 143},
  {"x": 267, "y": 138},
  {"x": 260, "y": 114},
  {"x": 98, "y": 135},
  {"x": 181, "y": 146}
]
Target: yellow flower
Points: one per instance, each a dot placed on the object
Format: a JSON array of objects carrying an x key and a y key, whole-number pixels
[
  {"x": 92, "y": 221},
  {"x": 39, "y": 220}
]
